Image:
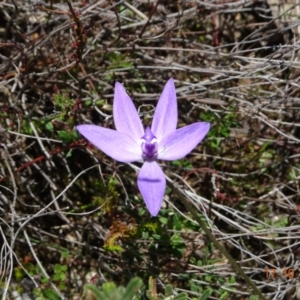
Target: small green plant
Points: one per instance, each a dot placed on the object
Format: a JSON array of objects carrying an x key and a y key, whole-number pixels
[
  {"x": 46, "y": 294},
  {"x": 222, "y": 129},
  {"x": 109, "y": 291},
  {"x": 169, "y": 293},
  {"x": 59, "y": 275},
  {"x": 183, "y": 163}
]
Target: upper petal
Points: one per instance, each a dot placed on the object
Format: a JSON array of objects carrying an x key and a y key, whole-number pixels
[
  {"x": 152, "y": 185},
  {"x": 125, "y": 114},
  {"x": 182, "y": 141},
  {"x": 166, "y": 115},
  {"x": 117, "y": 145}
]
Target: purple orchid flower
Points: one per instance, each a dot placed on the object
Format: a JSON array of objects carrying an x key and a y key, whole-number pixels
[{"x": 130, "y": 142}]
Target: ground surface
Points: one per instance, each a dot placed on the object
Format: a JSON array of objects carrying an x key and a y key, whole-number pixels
[{"x": 68, "y": 212}]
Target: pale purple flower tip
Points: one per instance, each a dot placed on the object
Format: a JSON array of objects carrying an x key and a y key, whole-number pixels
[{"x": 131, "y": 143}]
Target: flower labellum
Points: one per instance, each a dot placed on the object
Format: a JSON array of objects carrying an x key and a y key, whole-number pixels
[{"x": 130, "y": 142}]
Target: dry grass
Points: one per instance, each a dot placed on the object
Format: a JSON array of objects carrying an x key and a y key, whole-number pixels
[{"x": 235, "y": 64}]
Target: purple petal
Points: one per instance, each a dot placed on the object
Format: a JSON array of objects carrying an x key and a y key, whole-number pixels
[
  {"x": 117, "y": 145},
  {"x": 152, "y": 185},
  {"x": 182, "y": 141},
  {"x": 125, "y": 114},
  {"x": 166, "y": 115}
]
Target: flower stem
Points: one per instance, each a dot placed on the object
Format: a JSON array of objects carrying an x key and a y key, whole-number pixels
[{"x": 184, "y": 198}]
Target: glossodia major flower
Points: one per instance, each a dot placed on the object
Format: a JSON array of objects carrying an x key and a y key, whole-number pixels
[{"x": 131, "y": 142}]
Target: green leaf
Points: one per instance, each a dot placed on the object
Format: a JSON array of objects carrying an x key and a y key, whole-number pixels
[
  {"x": 65, "y": 136},
  {"x": 92, "y": 292},
  {"x": 163, "y": 220},
  {"x": 224, "y": 295},
  {"x": 169, "y": 290},
  {"x": 76, "y": 134},
  {"x": 96, "y": 103},
  {"x": 156, "y": 236},
  {"x": 64, "y": 268},
  {"x": 57, "y": 268},
  {"x": 207, "y": 293},
  {"x": 145, "y": 235},
  {"x": 50, "y": 295},
  {"x": 176, "y": 163},
  {"x": 49, "y": 126},
  {"x": 19, "y": 273},
  {"x": 62, "y": 276},
  {"x": 177, "y": 222},
  {"x": 108, "y": 287},
  {"x": 56, "y": 277},
  {"x": 132, "y": 288},
  {"x": 182, "y": 296},
  {"x": 69, "y": 153},
  {"x": 44, "y": 280}
]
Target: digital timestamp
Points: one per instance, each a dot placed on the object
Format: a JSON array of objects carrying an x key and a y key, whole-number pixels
[{"x": 287, "y": 273}]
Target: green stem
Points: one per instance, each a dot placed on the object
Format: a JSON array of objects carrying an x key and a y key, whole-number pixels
[{"x": 234, "y": 264}]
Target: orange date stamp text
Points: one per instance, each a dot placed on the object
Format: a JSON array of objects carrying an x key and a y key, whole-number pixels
[{"x": 287, "y": 273}]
